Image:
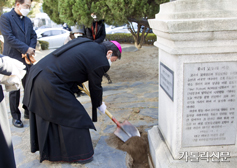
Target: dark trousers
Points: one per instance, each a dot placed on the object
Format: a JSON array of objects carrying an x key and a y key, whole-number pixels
[
  {"x": 108, "y": 77},
  {"x": 14, "y": 99}
]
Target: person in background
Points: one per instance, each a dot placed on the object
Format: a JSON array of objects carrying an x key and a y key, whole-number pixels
[
  {"x": 77, "y": 31},
  {"x": 66, "y": 27},
  {"x": 19, "y": 42},
  {"x": 69, "y": 38},
  {"x": 59, "y": 124},
  {"x": 97, "y": 33},
  {"x": 97, "y": 30},
  {"x": 10, "y": 70}
]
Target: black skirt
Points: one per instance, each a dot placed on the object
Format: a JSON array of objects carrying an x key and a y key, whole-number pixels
[{"x": 59, "y": 143}]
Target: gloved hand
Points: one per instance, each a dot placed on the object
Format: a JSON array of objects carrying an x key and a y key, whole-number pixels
[
  {"x": 29, "y": 59},
  {"x": 102, "y": 108}
]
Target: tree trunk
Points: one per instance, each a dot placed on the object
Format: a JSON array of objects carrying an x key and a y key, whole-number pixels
[
  {"x": 138, "y": 37},
  {"x": 1, "y": 43}
]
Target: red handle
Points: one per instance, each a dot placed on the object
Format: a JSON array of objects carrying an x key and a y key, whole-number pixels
[{"x": 116, "y": 122}]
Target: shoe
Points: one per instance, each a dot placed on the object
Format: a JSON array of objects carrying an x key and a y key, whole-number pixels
[
  {"x": 77, "y": 94},
  {"x": 26, "y": 116},
  {"x": 83, "y": 94},
  {"x": 109, "y": 81},
  {"x": 84, "y": 161},
  {"x": 17, "y": 123}
]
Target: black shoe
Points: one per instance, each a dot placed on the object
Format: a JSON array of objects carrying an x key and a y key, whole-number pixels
[
  {"x": 17, "y": 123},
  {"x": 109, "y": 81},
  {"x": 85, "y": 161},
  {"x": 26, "y": 116},
  {"x": 77, "y": 94},
  {"x": 83, "y": 94}
]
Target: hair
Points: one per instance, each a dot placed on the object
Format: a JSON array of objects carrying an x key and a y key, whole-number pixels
[
  {"x": 111, "y": 46},
  {"x": 20, "y": 1}
]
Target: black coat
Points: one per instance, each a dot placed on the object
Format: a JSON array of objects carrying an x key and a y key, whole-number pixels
[
  {"x": 100, "y": 34},
  {"x": 16, "y": 39},
  {"x": 48, "y": 90}
]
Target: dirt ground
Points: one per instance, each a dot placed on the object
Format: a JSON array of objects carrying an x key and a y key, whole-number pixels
[
  {"x": 136, "y": 147},
  {"x": 140, "y": 65}
]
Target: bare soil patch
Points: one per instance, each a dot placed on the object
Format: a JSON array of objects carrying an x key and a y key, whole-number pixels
[
  {"x": 136, "y": 147},
  {"x": 141, "y": 65}
]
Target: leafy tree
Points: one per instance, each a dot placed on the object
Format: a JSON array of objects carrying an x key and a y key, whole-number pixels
[
  {"x": 136, "y": 11},
  {"x": 35, "y": 8},
  {"x": 115, "y": 12},
  {"x": 51, "y": 8},
  {"x": 5, "y": 3}
]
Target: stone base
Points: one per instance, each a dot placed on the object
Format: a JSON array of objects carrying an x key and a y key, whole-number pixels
[{"x": 162, "y": 158}]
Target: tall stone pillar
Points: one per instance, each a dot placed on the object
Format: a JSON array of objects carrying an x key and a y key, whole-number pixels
[{"x": 197, "y": 43}]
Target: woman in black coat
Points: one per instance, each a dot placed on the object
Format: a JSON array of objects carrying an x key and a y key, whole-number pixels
[{"x": 59, "y": 124}]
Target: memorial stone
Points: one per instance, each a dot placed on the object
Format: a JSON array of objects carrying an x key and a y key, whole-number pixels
[{"x": 209, "y": 115}]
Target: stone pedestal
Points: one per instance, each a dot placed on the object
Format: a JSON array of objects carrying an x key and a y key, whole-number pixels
[{"x": 197, "y": 41}]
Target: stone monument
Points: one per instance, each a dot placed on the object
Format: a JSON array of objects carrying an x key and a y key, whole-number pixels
[{"x": 197, "y": 41}]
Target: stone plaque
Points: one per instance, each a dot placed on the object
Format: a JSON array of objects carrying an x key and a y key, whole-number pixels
[
  {"x": 209, "y": 109},
  {"x": 167, "y": 80}
]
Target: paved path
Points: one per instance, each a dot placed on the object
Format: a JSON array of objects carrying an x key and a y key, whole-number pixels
[{"x": 121, "y": 100}]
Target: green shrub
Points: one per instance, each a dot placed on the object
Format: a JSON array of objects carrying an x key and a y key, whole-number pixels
[
  {"x": 128, "y": 38},
  {"x": 1, "y": 49},
  {"x": 44, "y": 45},
  {"x": 150, "y": 38}
]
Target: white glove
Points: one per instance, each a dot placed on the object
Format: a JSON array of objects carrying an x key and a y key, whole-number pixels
[{"x": 102, "y": 108}]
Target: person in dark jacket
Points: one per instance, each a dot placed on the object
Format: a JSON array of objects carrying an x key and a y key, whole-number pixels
[
  {"x": 97, "y": 30},
  {"x": 59, "y": 124},
  {"x": 19, "y": 40},
  {"x": 97, "y": 33}
]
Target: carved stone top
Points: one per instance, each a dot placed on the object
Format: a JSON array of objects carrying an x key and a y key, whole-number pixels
[
  {"x": 196, "y": 26},
  {"x": 197, "y": 9}
]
